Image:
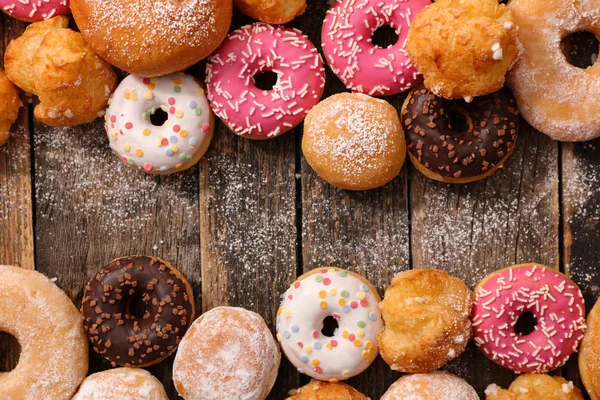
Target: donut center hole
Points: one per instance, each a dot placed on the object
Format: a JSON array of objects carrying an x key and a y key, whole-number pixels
[
  {"x": 458, "y": 122},
  {"x": 525, "y": 323},
  {"x": 384, "y": 37},
  {"x": 330, "y": 326},
  {"x": 10, "y": 351},
  {"x": 136, "y": 307},
  {"x": 266, "y": 80},
  {"x": 159, "y": 117},
  {"x": 581, "y": 49}
]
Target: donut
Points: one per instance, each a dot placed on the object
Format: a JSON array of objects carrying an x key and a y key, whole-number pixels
[
  {"x": 121, "y": 384},
  {"x": 426, "y": 315},
  {"x": 159, "y": 148},
  {"x": 111, "y": 324},
  {"x": 452, "y": 154},
  {"x": 153, "y": 38},
  {"x": 464, "y": 48},
  {"x": 272, "y": 11},
  {"x": 566, "y": 108},
  {"x": 35, "y": 10},
  {"x": 10, "y": 103},
  {"x": 333, "y": 296},
  {"x": 54, "y": 350},
  {"x": 437, "y": 385},
  {"x": 252, "y": 50},
  {"x": 318, "y": 390},
  {"x": 531, "y": 291},
  {"x": 535, "y": 387},
  {"x": 354, "y": 142},
  {"x": 589, "y": 354},
  {"x": 227, "y": 352},
  {"x": 360, "y": 64}
]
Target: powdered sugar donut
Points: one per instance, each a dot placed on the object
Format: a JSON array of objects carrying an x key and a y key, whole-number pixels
[
  {"x": 35, "y": 10},
  {"x": 253, "y": 49},
  {"x": 553, "y": 300},
  {"x": 330, "y": 352},
  {"x": 347, "y": 35},
  {"x": 122, "y": 384},
  {"x": 437, "y": 385},
  {"x": 177, "y": 144}
]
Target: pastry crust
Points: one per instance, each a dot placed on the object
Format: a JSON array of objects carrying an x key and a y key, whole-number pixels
[
  {"x": 272, "y": 11},
  {"x": 9, "y": 106},
  {"x": 436, "y": 385},
  {"x": 121, "y": 384},
  {"x": 535, "y": 387},
  {"x": 589, "y": 354},
  {"x": 318, "y": 390},
  {"x": 55, "y": 63}
]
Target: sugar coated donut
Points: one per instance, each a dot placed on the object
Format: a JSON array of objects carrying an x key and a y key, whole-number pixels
[
  {"x": 9, "y": 106},
  {"x": 535, "y": 387},
  {"x": 228, "y": 353},
  {"x": 319, "y": 390},
  {"x": 179, "y": 143},
  {"x": 254, "y": 49},
  {"x": 548, "y": 296},
  {"x": 566, "y": 108},
  {"x": 351, "y": 303},
  {"x": 35, "y": 10},
  {"x": 589, "y": 354},
  {"x": 54, "y": 349},
  {"x": 426, "y": 315},
  {"x": 450, "y": 154},
  {"x": 347, "y": 35},
  {"x": 118, "y": 335},
  {"x": 121, "y": 384},
  {"x": 435, "y": 385}
]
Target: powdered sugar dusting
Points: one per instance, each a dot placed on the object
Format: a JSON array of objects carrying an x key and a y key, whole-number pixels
[
  {"x": 16, "y": 153},
  {"x": 431, "y": 386},
  {"x": 121, "y": 384}
]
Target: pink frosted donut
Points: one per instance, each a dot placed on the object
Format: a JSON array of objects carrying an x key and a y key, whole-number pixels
[
  {"x": 35, "y": 10},
  {"x": 347, "y": 35},
  {"x": 548, "y": 296},
  {"x": 253, "y": 49}
]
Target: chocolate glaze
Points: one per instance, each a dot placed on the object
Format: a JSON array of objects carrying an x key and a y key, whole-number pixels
[
  {"x": 493, "y": 122},
  {"x": 117, "y": 335}
]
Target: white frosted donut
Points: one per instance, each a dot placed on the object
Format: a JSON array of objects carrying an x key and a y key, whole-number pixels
[
  {"x": 437, "y": 385},
  {"x": 54, "y": 348},
  {"x": 354, "y": 305},
  {"x": 176, "y": 145},
  {"x": 121, "y": 384}
]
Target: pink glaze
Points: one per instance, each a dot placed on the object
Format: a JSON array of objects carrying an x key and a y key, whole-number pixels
[
  {"x": 35, "y": 10},
  {"x": 252, "y": 49},
  {"x": 554, "y": 300},
  {"x": 362, "y": 66}
]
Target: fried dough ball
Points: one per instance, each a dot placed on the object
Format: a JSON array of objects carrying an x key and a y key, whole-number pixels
[
  {"x": 589, "y": 354},
  {"x": 318, "y": 390},
  {"x": 271, "y": 11},
  {"x": 463, "y": 48},
  {"x": 57, "y": 65},
  {"x": 9, "y": 107},
  {"x": 426, "y": 314},
  {"x": 121, "y": 384},
  {"x": 436, "y": 385},
  {"x": 535, "y": 387}
]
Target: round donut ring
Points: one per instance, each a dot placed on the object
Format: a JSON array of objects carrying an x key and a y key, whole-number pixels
[
  {"x": 35, "y": 10},
  {"x": 253, "y": 49}
]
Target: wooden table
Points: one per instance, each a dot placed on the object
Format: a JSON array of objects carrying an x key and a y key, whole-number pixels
[{"x": 253, "y": 215}]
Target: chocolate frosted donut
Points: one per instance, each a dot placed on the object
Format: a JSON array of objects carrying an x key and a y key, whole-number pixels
[
  {"x": 446, "y": 154},
  {"x": 117, "y": 335}
]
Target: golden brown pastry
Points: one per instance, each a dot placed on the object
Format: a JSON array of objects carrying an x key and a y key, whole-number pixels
[
  {"x": 318, "y": 390},
  {"x": 121, "y": 384},
  {"x": 56, "y": 64},
  {"x": 9, "y": 106},
  {"x": 589, "y": 354},
  {"x": 271, "y": 11},
  {"x": 463, "y": 48},
  {"x": 426, "y": 314},
  {"x": 535, "y": 387}
]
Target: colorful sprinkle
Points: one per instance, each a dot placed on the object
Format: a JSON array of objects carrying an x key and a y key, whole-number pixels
[
  {"x": 373, "y": 316},
  {"x": 139, "y": 152},
  {"x": 177, "y": 89},
  {"x": 173, "y": 139},
  {"x": 342, "y": 273},
  {"x": 322, "y": 294},
  {"x": 295, "y": 328},
  {"x": 317, "y": 345},
  {"x": 192, "y": 105},
  {"x": 206, "y": 128},
  {"x": 127, "y": 147},
  {"x": 146, "y": 132},
  {"x": 128, "y": 125},
  {"x": 308, "y": 349},
  {"x": 148, "y": 167},
  {"x": 361, "y": 324},
  {"x": 198, "y": 111},
  {"x": 323, "y": 304},
  {"x": 345, "y": 294},
  {"x": 286, "y": 334}
]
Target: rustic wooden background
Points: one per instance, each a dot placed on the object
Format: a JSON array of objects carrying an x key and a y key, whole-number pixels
[{"x": 252, "y": 216}]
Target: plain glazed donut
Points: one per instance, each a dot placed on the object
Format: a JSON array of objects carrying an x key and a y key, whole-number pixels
[
  {"x": 35, "y": 10},
  {"x": 9, "y": 107},
  {"x": 442, "y": 152},
  {"x": 352, "y": 302},
  {"x": 54, "y": 349},
  {"x": 535, "y": 387},
  {"x": 176, "y": 145},
  {"x": 253, "y": 49},
  {"x": 319, "y": 390},
  {"x": 228, "y": 353},
  {"x": 554, "y": 301},
  {"x": 362, "y": 66},
  {"x": 120, "y": 337},
  {"x": 555, "y": 97},
  {"x": 121, "y": 384},
  {"x": 272, "y": 11},
  {"x": 589, "y": 354},
  {"x": 153, "y": 38},
  {"x": 437, "y": 385}
]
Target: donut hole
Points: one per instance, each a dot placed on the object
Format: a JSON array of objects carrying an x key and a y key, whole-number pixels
[
  {"x": 384, "y": 37},
  {"x": 158, "y": 117},
  {"x": 10, "y": 351},
  {"x": 581, "y": 49},
  {"x": 458, "y": 121},
  {"x": 525, "y": 324},
  {"x": 136, "y": 308},
  {"x": 266, "y": 80},
  {"x": 330, "y": 326}
]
